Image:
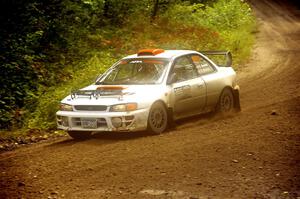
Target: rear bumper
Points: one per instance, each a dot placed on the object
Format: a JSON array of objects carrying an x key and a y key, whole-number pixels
[{"x": 102, "y": 121}]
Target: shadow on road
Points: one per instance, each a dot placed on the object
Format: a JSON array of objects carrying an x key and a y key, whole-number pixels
[
  {"x": 202, "y": 119},
  {"x": 101, "y": 138},
  {"x": 119, "y": 135},
  {"x": 197, "y": 118}
]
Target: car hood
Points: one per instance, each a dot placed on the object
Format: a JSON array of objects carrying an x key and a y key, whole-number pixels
[{"x": 114, "y": 94}]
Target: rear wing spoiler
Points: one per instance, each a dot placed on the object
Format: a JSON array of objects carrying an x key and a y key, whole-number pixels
[{"x": 226, "y": 61}]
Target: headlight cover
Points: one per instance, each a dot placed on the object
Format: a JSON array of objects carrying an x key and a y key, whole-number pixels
[
  {"x": 123, "y": 107},
  {"x": 66, "y": 107}
]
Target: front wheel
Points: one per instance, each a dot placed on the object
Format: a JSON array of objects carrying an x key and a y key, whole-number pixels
[
  {"x": 157, "y": 119},
  {"x": 226, "y": 102},
  {"x": 80, "y": 135}
]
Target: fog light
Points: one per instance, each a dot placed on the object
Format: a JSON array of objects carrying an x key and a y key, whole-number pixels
[
  {"x": 116, "y": 122},
  {"x": 64, "y": 121},
  {"x": 129, "y": 120},
  {"x": 58, "y": 119}
]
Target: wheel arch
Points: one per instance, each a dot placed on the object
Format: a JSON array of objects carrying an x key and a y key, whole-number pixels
[
  {"x": 169, "y": 112},
  {"x": 160, "y": 101},
  {"x": 236, "y": 96}
]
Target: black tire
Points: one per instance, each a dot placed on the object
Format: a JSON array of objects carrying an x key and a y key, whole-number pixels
[
  {"x": 157, "y": 119},
  {"x": 226, "y": 102},
  {"x": 80, "y": 135}
]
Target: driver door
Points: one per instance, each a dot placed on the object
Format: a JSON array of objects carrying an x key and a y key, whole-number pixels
[{"x": 188, "y": 89}]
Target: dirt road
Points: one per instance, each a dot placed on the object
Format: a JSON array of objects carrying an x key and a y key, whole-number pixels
[{"x": 254, "y": 154}]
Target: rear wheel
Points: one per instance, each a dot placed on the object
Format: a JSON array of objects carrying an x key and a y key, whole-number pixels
[
  {"x": 80, "y": 135},
  {"x": 157, "y": 119},
  {"x": 226, "y": 102}
]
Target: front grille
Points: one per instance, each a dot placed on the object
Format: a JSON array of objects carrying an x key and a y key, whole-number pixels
[{"x": 90, "y": 107}]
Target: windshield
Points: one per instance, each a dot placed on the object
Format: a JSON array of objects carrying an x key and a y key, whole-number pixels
[{"x": 136, "y": 71}]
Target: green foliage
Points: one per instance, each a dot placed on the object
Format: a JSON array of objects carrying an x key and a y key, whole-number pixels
[
  {"x": 232, "y": 20},
  {"x": 49, "y": 98},
  {"x": 38, "y": 38}
]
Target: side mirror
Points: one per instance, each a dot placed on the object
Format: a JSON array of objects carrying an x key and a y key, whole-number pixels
[{"x": 172, "y": 78}]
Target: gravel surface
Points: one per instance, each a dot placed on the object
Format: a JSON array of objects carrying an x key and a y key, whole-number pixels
[{"x": 254, "y": 154}]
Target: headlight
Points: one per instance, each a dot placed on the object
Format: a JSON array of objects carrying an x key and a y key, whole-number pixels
[
  {"x": 123, "y": 107},
  {"x": 66, "y": 107}
]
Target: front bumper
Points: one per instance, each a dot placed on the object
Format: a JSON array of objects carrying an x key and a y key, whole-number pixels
[{"x": 102, "y": 121}]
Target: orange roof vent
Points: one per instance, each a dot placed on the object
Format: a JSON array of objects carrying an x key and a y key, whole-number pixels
[
  {"x": 105, "y": 88},
  {"x": 151, "y": 52}
]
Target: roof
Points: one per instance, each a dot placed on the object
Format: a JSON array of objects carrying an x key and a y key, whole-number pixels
[{"x": 166, "y": 54}]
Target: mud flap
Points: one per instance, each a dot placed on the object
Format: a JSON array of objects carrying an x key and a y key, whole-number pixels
[
  {"x": 236, "y": 96},
  {"x": 171, "y": 121}
]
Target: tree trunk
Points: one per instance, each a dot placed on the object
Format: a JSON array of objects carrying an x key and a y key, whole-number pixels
[{"x": 155, "y": 10}]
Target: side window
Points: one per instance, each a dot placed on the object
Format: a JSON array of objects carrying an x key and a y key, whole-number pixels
[
  {"x": 203, "y": 66},
  {"x": 184, "y": 69}
]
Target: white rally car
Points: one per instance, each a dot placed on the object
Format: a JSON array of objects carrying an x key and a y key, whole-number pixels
[{"x": 149, "y": 90}]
